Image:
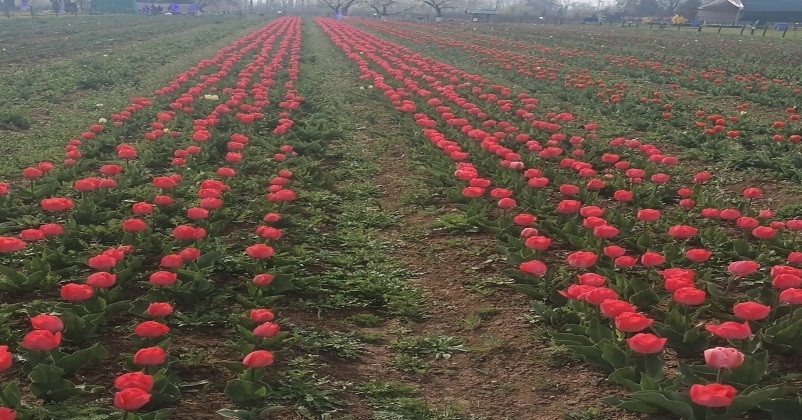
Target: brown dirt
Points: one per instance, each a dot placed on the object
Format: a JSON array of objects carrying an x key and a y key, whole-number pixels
[{"x": 505, "y": 375}]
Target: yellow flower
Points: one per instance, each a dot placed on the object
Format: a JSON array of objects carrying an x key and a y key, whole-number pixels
[{"x": 101, "y": 121}]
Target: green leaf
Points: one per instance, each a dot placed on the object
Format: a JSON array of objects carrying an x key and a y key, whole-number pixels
[
  {"x": 46, "y": 374},
  {"x": 747, "y": 401},
  {"x": 162, "y": 414},
  {"x": 236, "y": 367},
  {"x": 625, "y": 376},
  {"x": 751, "y": 371},
  {"x": 630, "y": 404},
  {"x": 670, "y": 401},
  {"x": 14, "y": 277},
  {"x": 71, "y": 363},
  {"x": 240, "y": 391},
  {"x": 528, "y": 290},
  {"x": 592, "y": 355},
  {"x": 783, "y": 408},
  {"x": 616, "y": 357},
  {"x": 11, "y": 394}
]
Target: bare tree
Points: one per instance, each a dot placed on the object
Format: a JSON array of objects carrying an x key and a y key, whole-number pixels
[
  {"x": 337, "y": 5},
  {"x": 384, "y": 7},
  {"x": 440, "y": 5},
  {"x": 670, "y": 5}
]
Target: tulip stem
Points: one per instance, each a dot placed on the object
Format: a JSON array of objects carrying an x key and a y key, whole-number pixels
[
  {"x": 125, "y": 415},
  {"x": 729, "y": 283},
  {"x": 719, "y": 375}
]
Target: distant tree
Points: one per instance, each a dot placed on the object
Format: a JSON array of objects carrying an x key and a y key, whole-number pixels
[
  {"x": 337, "y": 5},
  {"x": 440, "y": 5},
  {"x": 689, "y": 8},
  {"x": 385, "y": 7},
  {"x": 7, "y": 6},
  {"x": 670, "y": 6}
]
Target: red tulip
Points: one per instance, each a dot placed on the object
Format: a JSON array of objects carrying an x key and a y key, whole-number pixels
[
  {"x": 622, "y": 195},
  {"x": 645, "y": 343},
  {"x": 157, "y": 309},
  {"x": 591, "y": 211},
  {"x": 134, "y": 225},
  {"x": 730, "y": 330},
  {"x": 592, "y": 279},
  {"x": 164, "y": 182},
  {"x": 473, "y": 192},
  {"x": 142, "y": 208},
  {"x": 614, "y": 251},
  {"x": 763, "y": 232},
  {"x": 712, "y": 395},
  {"x": 7, "y": 413},
  {"x": 271, "y": 217},
  {"x": 698, "y": 255},
  {"x": 581, "y": 259},
  {"x": 163, "y": 200},
  {"x": 197, "y": 213},
  {"x": 46, "y": 322},
  {"x": 267, "y": 330},
  {"x": 648, "y": 215},
  {"x": 8, "y": 244},
  {"x": 151, "y": 329},
  {"x": 652, "y": 259},
  {"x": 51, "y": 229},
  {"x": 524, "y": 219},
  {"x": 101, "y": 262},
  {"x": 743, "y": 268},
  {"x": 599, "y": 295},
  {"x": 605, "y": 231},
  {"x": 41, "y": 340},
  {"x": 682, "y": 231},
  {"x": 690, "y": 296},
  {"x": 261, "y": 315},
  {"x": 258, "y": 359},
  {"x": 672, "y": 284},
  {"x": 131, "y": 399},
  {"x": 263, "y": 279},
  {"x": 632, "y": 322},
  {"x": 149, "y": 356},
  {"x": 163, "y": 278},
  {"x": 184, "y": 232},
  {"x": 568, "y": 206},
  {"x": 32, "y": 235},
  {"x": 791, "y": 296},
  {"x": 751, "y": 310},
  {"x": 724, "y": 357},
  {"x": 611, "y": 308},
  {"x": 76, "y": 292},
  {"x": 101, "y": 279},
  {"x": 534, "y": 267},
  {"x": 625, "y": 261},
  {"x": 189, "y": 254},
  {"x": 138, "y": 380},
  {"x": 5, "y": 360},
  {"x": 752, "y": 193}
]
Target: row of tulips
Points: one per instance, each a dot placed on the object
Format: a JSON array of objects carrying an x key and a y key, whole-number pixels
[
  {"x": 182, "y": 277},
  {"x": 671, "y": 106},
  {"x": 767, "y": 83},
  {"x": 607, "y": 337}
]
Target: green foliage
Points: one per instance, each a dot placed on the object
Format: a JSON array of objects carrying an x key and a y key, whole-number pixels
[
  {"x": 14, "y": 120},
  {"x": 439, "y": 346},
  {"x": 338, "y": 344}
]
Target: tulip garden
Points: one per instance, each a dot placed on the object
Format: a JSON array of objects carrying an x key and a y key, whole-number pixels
[{"x": 639, "y": 197}]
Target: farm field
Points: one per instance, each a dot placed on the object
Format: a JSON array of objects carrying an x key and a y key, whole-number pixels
[{"x": 349, "y": 219}]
